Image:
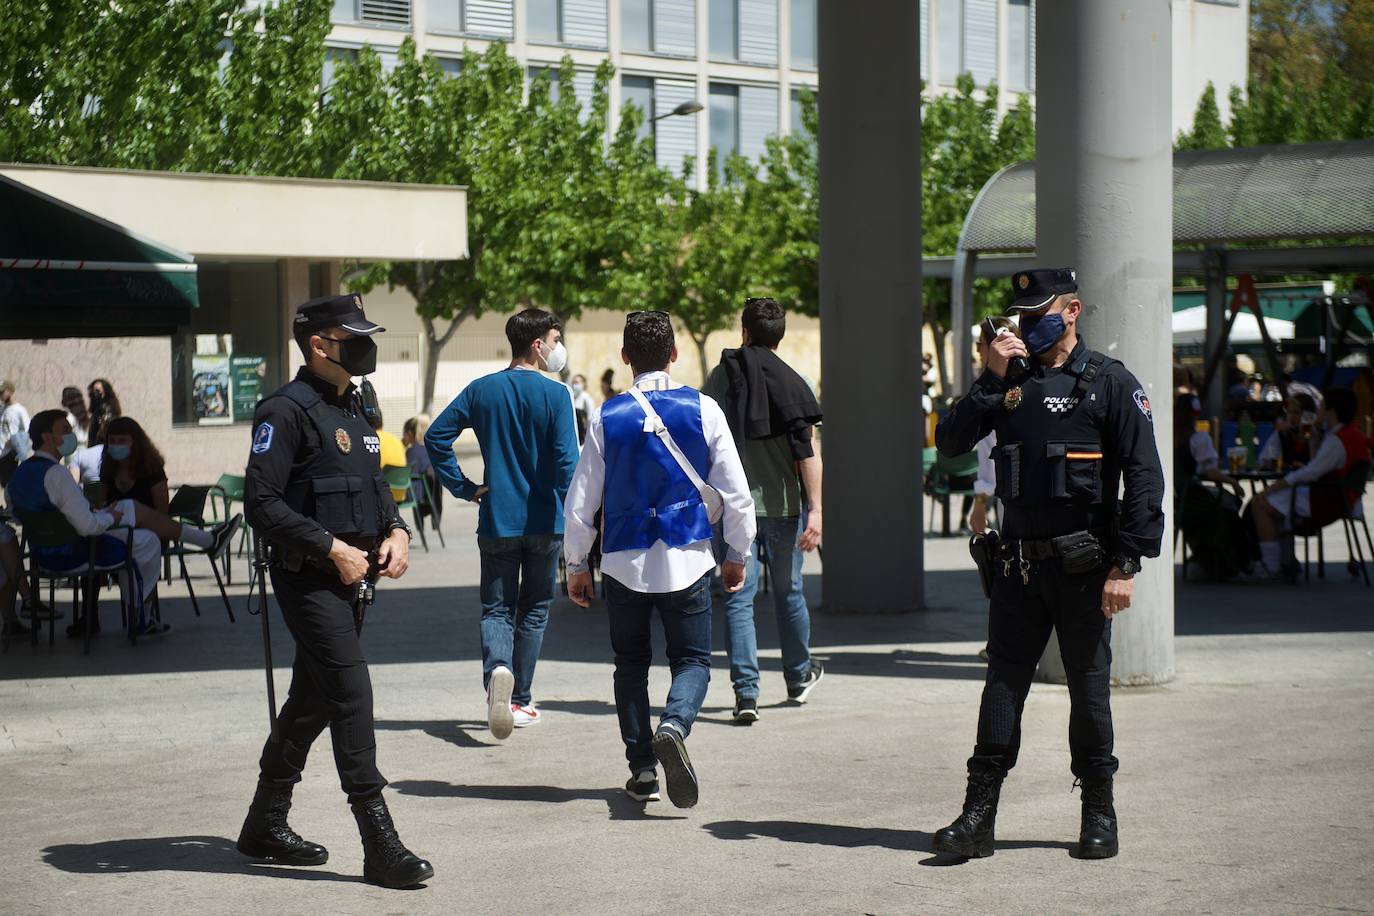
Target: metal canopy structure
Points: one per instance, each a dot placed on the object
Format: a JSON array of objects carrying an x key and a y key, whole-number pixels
[{"x": 1227, "y": 204}]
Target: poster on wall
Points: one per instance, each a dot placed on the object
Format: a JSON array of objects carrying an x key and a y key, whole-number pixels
[
  {"x": 210, "y": 388},
  {"x": 249, "y": 373}
]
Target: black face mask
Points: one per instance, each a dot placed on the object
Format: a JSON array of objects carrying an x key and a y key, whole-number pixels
[{"x": 357, "y": 355}]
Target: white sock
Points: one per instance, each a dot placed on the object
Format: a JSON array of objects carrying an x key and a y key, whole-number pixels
[
  {"x": 1269, "y": 553},
  {"x": 196, "y": 537}
]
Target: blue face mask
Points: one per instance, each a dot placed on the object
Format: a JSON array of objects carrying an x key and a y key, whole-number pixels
[
  {"x": 119, "y": 452},
  {"x": 68, "y": 445},
  {"x": 1041, "y": 332}
]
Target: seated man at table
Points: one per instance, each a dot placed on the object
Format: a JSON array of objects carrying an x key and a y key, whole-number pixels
[
  {"x": 1294, "y": 435},
  {"x": 1273, "y": 511},
  {"x": 41, "y": 484}
]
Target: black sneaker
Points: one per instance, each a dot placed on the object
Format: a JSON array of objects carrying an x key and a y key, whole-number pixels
[
  {"x": 643, "y": 786},
  {"x": 746, "y": 710},
  {"x": 799, "y": 692},
  {"x": 223, "y": 535},
  {"x": 671, "y": 752}
]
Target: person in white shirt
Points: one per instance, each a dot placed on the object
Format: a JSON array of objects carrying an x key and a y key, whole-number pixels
[
  {"x": 42, "y": 484},
  {"x": 85, "y": 464},
  {"x": 656, "y": 549},
  {"x": 14, "y": 432},
  {"x": 583, "y": 405},
  {"x": 1342, "y": 448}
]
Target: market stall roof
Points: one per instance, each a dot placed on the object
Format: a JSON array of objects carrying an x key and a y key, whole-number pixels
[{"x": 61, "y": 264}]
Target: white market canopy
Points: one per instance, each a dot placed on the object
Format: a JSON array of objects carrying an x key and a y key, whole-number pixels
[{"x": 1190, "y": 327}]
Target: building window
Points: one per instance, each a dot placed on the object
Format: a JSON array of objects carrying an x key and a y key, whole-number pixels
[
  {"x": 724, "y": 16},
  {"x": 344, "y": 11},
  {"x": 639, "y": 92},
  {"x": 545, "y": 20},
  {"x": 230, "y": 355},
  {"x": 551, "y": 73},
  {"x": 804, "y": 34},
  {"x": 724, "y": 123},
  {"x": 949, "y": 40},
  {"x": 796, "y": 126},
  {"x": 444, "y": 16},
  {"x": 967, "y": 40},
  {"x": 333, "y": 57},
  {"x": 637, "y": 25},
  {"x": 1019, "y": 50},
  {"x": 452, "y": 66},
  {"x": 393, "y": 13}
]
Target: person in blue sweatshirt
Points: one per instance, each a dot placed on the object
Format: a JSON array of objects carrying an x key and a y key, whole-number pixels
[{"x": 525, "y": 426}]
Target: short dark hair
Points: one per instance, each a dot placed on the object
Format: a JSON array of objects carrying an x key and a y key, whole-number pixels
[
  {"x": 1305, "y": 402},
  {"x": 524, "y": 328},
  {"x": 303, "y": 335},
  {"x": 1342, "y": 402},
  {"x": 43, "y": 422},
  {"x": 765, "y": 321},
  {"x": 649, "y": 341}
]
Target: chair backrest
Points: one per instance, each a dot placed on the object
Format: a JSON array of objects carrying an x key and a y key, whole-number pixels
[
  {"x": 398, "y": 478},
  {"x": 48, "y": 529},
  {"x": 97, "y": 494},
  {"x": 928, "y": 457},
  {"x": 965, "y": 465},
  {"x": 188, "y": 502},
  {"x": 232, "y": 485},
  {"x": 1357, "y": 480}
]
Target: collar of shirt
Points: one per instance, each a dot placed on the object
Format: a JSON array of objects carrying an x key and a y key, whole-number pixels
[
  {"x": 657, "y": 380},
  {"x": 328, "y": 390}
]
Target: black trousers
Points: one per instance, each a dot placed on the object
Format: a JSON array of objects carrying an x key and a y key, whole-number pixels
[
  {"x": 1020, "y": 619},
  {"x": 330, "y": 686}
]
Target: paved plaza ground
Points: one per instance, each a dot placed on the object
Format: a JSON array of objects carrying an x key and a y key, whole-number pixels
[{"x": 1244, "y": 785}]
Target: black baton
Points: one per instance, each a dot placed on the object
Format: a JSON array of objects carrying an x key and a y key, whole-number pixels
[{"x": 260, "y": 566}]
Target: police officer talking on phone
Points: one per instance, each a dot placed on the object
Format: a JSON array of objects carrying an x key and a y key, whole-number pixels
[
  {"x": 1074, "y": 428},
  {"x": 315, "y": 493}
]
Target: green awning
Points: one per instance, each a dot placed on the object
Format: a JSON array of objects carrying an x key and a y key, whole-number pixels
[{"x": 65, "y": 272}]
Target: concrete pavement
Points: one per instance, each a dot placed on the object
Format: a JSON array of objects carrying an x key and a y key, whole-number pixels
[{"x": 1244, "y": 783}]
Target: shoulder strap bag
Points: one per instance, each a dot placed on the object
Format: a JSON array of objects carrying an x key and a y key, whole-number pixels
[{"x": 715, "y": 505}]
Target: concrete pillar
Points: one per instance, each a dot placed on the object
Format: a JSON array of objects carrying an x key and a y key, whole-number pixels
[
  {"x": 961, "y": 319},
  {"x": 870, "y": 243},
  {"x": 1105, "y": 206},
  {"x": 1214, "y": 277},
  {"x": 293, "y": 288}
]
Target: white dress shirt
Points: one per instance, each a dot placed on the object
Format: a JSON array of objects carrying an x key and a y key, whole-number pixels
[
  {"x": 67, "y": 498},
  {"x": 87, "y": 463},
  {"x": 1203, "y": 451},
  {"x": 14, "y": 419},
  {"x": 660, "y": 569},
  {"x": 1330, "y": 457},
  {"x": 986, "y": 484}
]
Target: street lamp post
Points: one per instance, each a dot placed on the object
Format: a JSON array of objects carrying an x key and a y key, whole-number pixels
[{"x": 685, "y": 108}]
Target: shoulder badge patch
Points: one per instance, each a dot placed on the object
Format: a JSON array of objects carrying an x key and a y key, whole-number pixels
[
  {"x": 1143, "y": 403},
  {"x": 342, "y": 440},
  {"x": 262, "y": 438}
]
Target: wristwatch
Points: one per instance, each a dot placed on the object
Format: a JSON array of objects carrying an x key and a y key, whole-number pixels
[
  {"x": 399, "y": 525},
  {"x": 1127, "y": 564}
]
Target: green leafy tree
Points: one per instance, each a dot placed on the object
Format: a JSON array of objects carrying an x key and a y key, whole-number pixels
[{"x": 1208, "y": 132}]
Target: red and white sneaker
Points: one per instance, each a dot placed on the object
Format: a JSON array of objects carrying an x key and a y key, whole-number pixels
[{"x": 524, "y": 715}]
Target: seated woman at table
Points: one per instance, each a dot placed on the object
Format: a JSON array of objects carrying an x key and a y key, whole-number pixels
[
  {"x": 1195, "y": 455},
  {"x": 413, "y": 438},
  {"x": 132, "y": 467},
  {"x": 1292, "y": 497},
  {"x": 1294, "y": 433}
]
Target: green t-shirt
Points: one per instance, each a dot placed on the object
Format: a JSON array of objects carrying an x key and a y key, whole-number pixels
[{"x": 768, "y": 463}]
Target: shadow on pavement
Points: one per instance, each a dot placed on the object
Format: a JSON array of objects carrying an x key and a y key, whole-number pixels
[
  {"x": 618, "y": 804},
  {"x": 846, "y": 837},
  {"x": 207, "y": 854},
  {"x": 458, "y": 733}
]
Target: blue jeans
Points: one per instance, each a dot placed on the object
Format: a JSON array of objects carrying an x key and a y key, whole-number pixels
[
  {"x": 518, "y": 576},
  {"x": 779, "y": 536},
  {"x": 686, "y": 617}
]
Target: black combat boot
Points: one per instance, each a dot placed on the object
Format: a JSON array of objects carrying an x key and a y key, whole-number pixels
[
  {"x": 266, "y": 835},
  {"x": 386, "y": 861},
  {"x": 971, "y": 834},
  {"x": 1097, "y": 836}
]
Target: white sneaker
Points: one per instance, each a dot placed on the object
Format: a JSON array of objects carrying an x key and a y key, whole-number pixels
[
  {"x": 524, "y": 715},
  {"x": 1257, "y": 573},
  {"x": 500, "y": 718}
]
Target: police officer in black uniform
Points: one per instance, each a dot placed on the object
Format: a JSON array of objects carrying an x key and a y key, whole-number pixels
[
  {"x": 1072, "y": 426},
  {"x": 315, "y": 493}
]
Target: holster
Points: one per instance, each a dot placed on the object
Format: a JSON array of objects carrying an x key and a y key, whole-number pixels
[{"x": 983, "y": 548}]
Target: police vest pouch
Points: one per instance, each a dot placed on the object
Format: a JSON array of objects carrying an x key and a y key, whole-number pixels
[
  {"x": 1079, "y": 553},
  {"x": 710, "y": 497},
  {"x": 339, "y": 503},
  {"x": 1077, "y": 469},
  {"x": 1007, "y": 460}
]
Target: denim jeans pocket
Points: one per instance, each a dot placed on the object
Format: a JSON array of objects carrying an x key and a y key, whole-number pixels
[{"x": 695, "y": 599}]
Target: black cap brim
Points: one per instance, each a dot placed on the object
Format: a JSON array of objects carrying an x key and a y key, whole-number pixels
[
  {"x": 357, "y": 323},
  {"x": 1032, "y": 304}
]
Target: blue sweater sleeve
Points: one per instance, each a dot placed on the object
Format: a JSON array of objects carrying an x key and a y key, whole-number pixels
[
  {"x": 439, "y": 439},
  {"x": 565, "y": 443}
]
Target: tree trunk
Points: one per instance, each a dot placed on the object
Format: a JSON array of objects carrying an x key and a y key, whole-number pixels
[
  {"x": 701, "y": 355},
  {"x": 942, "y": 369},
  {"x": 434, "y": 348}
]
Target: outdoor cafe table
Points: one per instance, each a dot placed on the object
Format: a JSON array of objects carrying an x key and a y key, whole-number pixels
[{"x": 1257, "y": 477}]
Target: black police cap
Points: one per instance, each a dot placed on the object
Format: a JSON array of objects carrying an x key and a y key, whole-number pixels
[
  {"x": 335, "y": 312},
  {"x": 1035, "y": 289}
]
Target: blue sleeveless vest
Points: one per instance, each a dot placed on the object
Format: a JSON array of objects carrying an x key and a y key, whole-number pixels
[
  {"x": 648, "y": 498},
  {"x": 26, "y": 486}
]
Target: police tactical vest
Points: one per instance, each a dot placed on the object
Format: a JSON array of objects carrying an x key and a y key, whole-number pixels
[
  {"x": 340, "y": 484},
  {"x": 1049, "y": 449},
  {"x": 648, "y": 497}
]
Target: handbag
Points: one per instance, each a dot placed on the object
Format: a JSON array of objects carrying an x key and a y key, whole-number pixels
[{"x": 653, "y": 423}]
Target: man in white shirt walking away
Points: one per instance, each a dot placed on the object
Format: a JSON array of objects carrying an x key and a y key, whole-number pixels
[{"x": 660, "y": 462}]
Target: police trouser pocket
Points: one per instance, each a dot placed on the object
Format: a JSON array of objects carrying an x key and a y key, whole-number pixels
[{"x": 1079, "y": 553}]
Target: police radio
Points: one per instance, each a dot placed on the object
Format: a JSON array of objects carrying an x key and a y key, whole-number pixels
[
  {"x": 1017, "y": 365},
  {"x": 372, "y": 411}
]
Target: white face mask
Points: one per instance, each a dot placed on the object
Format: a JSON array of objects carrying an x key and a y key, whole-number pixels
[
  {"x": 557, "y": 358},
  {"x": 577, "y": 387}
]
